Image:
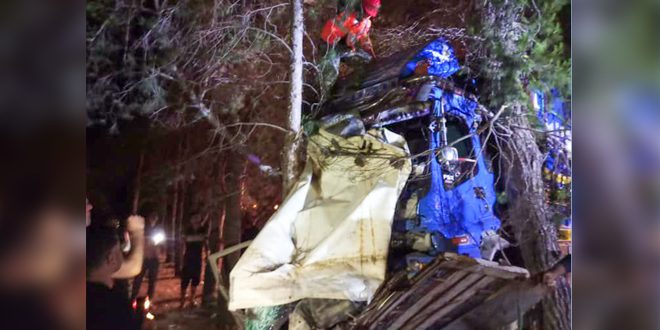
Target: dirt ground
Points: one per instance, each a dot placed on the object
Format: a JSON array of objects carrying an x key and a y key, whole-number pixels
[{"x": 165, "y": 306}]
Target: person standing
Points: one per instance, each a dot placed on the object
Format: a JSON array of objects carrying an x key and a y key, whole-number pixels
[
  {"x": 154, "y": 237},
  {"x": 132, "y": 263},
  {"x": 194, "y": 240},
  {"x": 107, "y": 308}
]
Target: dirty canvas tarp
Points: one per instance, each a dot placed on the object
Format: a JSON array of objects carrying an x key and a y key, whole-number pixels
[{"x": 329, "y": 238}]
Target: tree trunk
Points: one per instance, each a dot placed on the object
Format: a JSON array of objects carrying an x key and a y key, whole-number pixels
[
  {"x": 178, "y": 225},
  {"x": 224, "y": 315},
  {"x": 292, "y": 145},
  {"x": 214, "y": 246},
  {"x": 174, "y": 244},
  {"x": 536, "y": 235},
  {"x": 214, "y": 233},
  {"x": 223, "y": 220},
  {"x": 172, "y": 223},
  {"x": 231, "y": 230},
  {"x": 138, "y": 183},
  {"x": 291, "y": 153}
]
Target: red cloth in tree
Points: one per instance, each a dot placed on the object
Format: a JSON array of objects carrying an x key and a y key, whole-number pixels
[
  {"x": 347, "y": 25},
  {"x": 371, "y": 7}
]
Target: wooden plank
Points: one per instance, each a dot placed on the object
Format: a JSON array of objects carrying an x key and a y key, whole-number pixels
[
  {"x": 487, "y": 271},
  {"x": 460, "y": 279},
  {"x": 395, "y": 306},
  {"x": 395, "y": 282},
  {"x": 438, "y": 308},
  {"x": 424, "y": 275},
  {"x": 501, "y": 308},
  {"x": 385, "y": 294},
  {"x": 490, "y": 268},
  {"x": 386, "y": 308},
  {"x": 404, "y": 298},
  {"x": 460, "y": 297},
  {"x": 368, "y": 317},
  {"x": 474, "y": 300}
]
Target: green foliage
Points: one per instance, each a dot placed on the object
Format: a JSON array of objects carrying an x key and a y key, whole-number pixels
[
  {"x": 523, "y": 49},
  {"x": 124, "y": 44},
  {"x": 502, "y": 198},
  {"x": 142, "y": 58},
  {"x": 561, "y": 195},
  {"x": 263, "y": 318},
  {"x": 310, "y": 126}
]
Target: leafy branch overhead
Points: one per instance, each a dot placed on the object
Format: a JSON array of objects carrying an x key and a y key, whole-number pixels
[
  {"x": 159, "y": 59},
  {"x": 524, "y": 49}
]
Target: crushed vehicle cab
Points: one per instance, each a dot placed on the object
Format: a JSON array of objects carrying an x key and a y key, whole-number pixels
[
  {"x": 394, "y": 213},
  {"x": 448, "y": 202}
]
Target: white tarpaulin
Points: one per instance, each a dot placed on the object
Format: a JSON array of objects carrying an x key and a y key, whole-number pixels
[{"x": 330, "y": 237}]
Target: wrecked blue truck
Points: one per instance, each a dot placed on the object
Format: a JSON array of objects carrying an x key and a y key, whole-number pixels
[
  {"x": 328, "y": 252},
  {"x": 449, "y": 200}
]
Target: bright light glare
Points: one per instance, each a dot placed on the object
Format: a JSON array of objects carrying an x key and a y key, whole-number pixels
[
  {"x": 158, "y": 238},
  {"x": 449, "y": 154},
  {"x": 150, "y": 316},
  {"x": 147, "y": 304},
  {"x": 277, "y": 206}
]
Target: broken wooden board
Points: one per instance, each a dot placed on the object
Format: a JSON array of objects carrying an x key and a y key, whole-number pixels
[{"x": 452, "y": 292}]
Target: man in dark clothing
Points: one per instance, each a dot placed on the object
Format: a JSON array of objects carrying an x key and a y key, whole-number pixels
[
  {"x": 195, "y": 240},
  {"x": 107, "y": 308},
  {"x": 154, "y": 237}
]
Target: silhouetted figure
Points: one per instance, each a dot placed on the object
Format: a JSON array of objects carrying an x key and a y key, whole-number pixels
[
  {"x": 107, "y": 308},
  {"x": 154, "y": 238},
  {"x": 194, "y": 239}
]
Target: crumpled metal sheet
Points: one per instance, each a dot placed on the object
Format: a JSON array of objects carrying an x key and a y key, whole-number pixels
[
  {"x": 329, "y": 239},
  {"x": 440, "y": 56}
]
